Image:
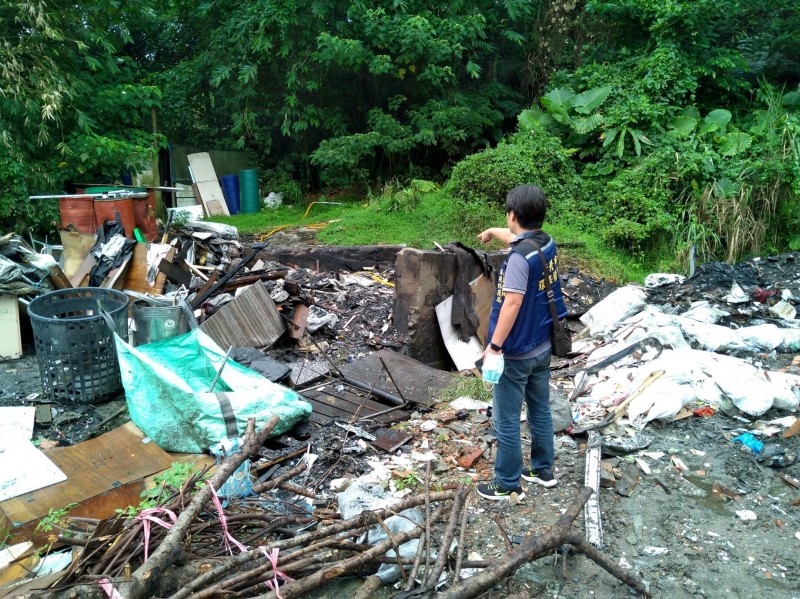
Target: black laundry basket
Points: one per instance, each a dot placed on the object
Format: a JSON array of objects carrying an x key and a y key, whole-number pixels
[{"x": 74, "y": 346}]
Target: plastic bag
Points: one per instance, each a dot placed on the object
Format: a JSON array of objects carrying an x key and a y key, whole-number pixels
[{"x": 167, "y": 388}]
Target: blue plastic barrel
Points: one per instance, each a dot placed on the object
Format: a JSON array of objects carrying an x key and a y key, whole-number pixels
[{"x": 230, "y": 189}]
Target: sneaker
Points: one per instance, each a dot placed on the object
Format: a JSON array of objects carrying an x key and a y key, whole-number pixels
[
  {"x": 544, "y": 478},
  {"x": 495, "y": 492}
]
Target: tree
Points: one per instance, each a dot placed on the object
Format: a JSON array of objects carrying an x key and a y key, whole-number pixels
[{"x": 70, "y": 104}]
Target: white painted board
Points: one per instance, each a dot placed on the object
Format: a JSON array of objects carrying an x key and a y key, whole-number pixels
[
  {"x": 23, "y": 468},
  {"x": 17, "y": 421},
  {"x": 10, "y": 338}
]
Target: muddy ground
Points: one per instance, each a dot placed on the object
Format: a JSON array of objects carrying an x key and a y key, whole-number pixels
[{"x": 678, "y": 534}]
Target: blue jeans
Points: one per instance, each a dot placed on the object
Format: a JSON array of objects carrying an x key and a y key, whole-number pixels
[{"x": 529, "y": 380}]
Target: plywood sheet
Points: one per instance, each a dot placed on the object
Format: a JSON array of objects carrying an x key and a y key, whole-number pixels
[
  {"x": 106, "y": 472},
  {"x": 24, "y": 468},
  {"x": 418, "y": 382},
  {"x": 207, "y": 186},
  {"x": 250, "y": 320},
  {"x": 483, "y": 290},
  {"x": 136, "y": 277}
]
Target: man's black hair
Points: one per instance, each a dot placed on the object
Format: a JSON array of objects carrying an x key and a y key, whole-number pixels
[{"x": 529, "y": 205}]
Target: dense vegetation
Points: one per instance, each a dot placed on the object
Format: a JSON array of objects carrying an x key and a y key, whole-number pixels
[{"x": 663, "y": 126}]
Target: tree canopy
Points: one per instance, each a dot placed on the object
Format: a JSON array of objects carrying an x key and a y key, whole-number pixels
[{"x": 349, "y": 93}]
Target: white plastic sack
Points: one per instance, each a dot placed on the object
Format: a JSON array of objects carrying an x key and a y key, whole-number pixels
[
  {"x": 662, "y": 400},
  {"x": 783, "y": 309},
  {"x": 713, "y": 337},
  {"x": 762, "y": 336},
  {"x": 704, "y": 312},
  {"x": 736, "y": 295},
  {"x": 658, "y": 279},
  {"x": 786, "y": 389},
  {"x": 318, "y": 318},
  {"x": 359, "y": 497},
  {"x": 615, "y": 308}
]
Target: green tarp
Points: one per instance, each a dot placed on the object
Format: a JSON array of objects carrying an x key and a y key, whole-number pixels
[{"x": 167, "y": 388}]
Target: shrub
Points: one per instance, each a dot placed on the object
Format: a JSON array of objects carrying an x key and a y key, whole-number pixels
[
  {"x": 637, "y": 212},
  {"x": 534, "y": 157}
]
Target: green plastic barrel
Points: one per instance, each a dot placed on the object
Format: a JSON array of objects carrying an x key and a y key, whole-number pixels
[{"x": 249, "y": 199}]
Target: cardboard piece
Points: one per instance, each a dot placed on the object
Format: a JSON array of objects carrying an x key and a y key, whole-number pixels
[
  {"x": 206, "y": 185},
  {"x": 10, "y": 336},
  {"x": 103, "y": 474},
  {"x": 250, "y": 320},
  {"x": 483, "y": 290},
  {"x": 81, "y": 276},
  {"x": 76, "y": 248}
]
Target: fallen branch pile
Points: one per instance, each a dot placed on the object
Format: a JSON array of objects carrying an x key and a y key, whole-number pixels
[{"x": 186, "y": 558}]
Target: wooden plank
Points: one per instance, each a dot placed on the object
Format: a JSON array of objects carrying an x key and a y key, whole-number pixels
[
  {"x": 136, "y": 277},
  {"x": 206, "y": 185},
  {"x": 344, "y": 403},
  {"x": 483, "y": 291},
  {"x": 299, "y": 322},
  {"x": 116, "y": 276},
  {"x": 10, "y": 337},
  {"x": 81, "y": 276},
  {"x": 347, "y": 406},
  {"x": 250, "y": 320},
  {"x": 792, "y": 430},
  {"x": 103, "y": 474}
]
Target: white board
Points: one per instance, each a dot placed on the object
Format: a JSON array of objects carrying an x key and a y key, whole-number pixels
[
  {"x": 23, "y": 468},
  {"x": 208, "y": 186},
  {"x": 464, "y": 355},
  {"x": 10, "y": 338},
  {"x": 17, "y": 421}
]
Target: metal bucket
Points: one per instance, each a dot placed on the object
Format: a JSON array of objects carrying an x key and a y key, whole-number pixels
[{"x": 154, "y": 323}]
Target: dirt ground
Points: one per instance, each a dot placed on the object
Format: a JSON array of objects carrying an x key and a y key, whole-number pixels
[{"x": 686, "y": 541}]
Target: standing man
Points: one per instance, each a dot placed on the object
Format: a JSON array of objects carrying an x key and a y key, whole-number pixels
[{"x": 520, "y": 329}]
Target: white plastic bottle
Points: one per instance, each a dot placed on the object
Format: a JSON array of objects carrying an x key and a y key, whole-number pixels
[{"x": 493, "y": 365}]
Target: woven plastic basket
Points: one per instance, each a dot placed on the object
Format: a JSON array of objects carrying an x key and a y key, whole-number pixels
[{"x": 75, "y": 347}]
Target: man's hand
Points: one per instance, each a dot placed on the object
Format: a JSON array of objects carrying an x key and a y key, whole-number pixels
[
  {"x": 489, "y": 350},
  {"x": 501, "y": 233},
  {"x": 486, "y": 236}
]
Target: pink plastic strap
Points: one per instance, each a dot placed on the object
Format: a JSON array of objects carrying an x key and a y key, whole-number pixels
[
  {"x": 226, "y": 535},
  {"x": 109, "y": 589},
  {"x": 272, "y": 556},
  {"x": 146, "y": 516}
]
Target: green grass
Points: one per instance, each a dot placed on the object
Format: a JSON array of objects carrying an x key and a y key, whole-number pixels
[{"x": 438, "y": 218}]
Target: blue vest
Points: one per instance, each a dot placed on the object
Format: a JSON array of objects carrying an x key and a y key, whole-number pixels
[{"x": 534, "y": 323}]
